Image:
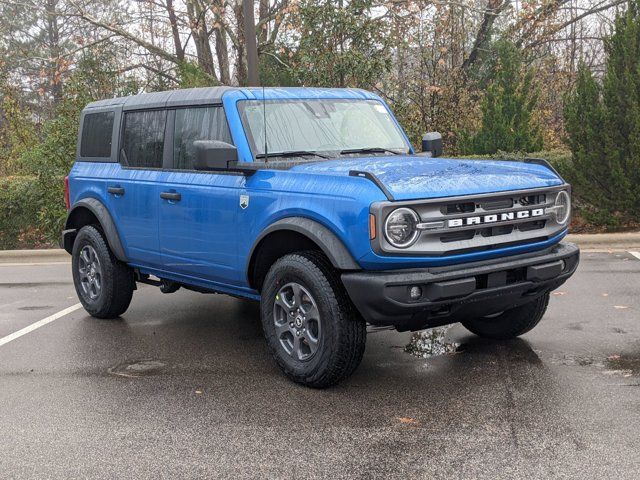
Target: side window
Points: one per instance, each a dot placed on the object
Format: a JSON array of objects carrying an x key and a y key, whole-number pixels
[
  {"x": 97, "y": 129},
  {"x": 143, "y": 138},
  {"x": 200, "y": 123}
]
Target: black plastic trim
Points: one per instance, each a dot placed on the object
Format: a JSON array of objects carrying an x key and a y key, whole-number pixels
[
  {"x": 457, "y": 292},
  {"x": 106, "y": 222},
  {"x": 372, "y": 178},
  {"x": 544, "y": 163},
  {"x": 328, "y": 242}
]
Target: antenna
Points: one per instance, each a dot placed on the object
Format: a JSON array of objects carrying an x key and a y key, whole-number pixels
[{"x": 264, "y": 122}]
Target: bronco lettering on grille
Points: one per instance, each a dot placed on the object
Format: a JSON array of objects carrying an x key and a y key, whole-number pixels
[{"x": 495, "y": 218}]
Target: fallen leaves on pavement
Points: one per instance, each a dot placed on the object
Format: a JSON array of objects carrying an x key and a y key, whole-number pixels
[{"x": 409, "y": 421}]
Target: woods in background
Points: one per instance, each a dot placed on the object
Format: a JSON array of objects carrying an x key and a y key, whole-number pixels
[{"x": 491, "y": 75}]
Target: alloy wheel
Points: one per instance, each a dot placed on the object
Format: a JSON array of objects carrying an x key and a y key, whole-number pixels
[
  {"x": 90, "y": 272},
  {"x": 297, "y": 321}
]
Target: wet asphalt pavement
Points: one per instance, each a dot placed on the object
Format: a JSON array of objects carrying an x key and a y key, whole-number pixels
[{"x": 183, "y": 387}]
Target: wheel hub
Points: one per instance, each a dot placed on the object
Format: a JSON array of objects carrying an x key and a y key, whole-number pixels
[
  {"x": 90, "y": 272},
  {"x": 297, "y": 321}
]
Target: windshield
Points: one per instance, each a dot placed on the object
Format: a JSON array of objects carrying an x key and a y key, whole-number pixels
[{"x": 322, "y": 125}]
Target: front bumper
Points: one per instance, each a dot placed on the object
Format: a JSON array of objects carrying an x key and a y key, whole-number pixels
[{"x": 454, "y": 293}]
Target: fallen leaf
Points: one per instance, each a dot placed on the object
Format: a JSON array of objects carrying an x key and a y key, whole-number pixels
[
  {"x": 408, "y": 421},
  {"x": 620, "y": 307}
]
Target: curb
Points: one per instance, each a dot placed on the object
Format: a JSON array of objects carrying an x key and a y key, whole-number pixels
[
  {"x": 54, "y": 255},
  {"x": 606, "y": 241},
  {"x": 586, "y": 241}
]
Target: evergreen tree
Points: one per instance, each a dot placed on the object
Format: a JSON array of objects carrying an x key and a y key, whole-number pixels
[
  {"x": 507, "y": 107},
  {"x": 342, "y": 44},
  {"x": 603, "y": 126}
]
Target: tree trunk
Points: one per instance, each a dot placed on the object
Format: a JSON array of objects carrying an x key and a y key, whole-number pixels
[
  {"x": 174, "y": 31},
  {"x": 197, "y": 22},
  {"x": 263, "y": 12},
  {"x": 53, "y": 43},
  {"x": 241, "y": 59},
  {"x": 222, "y": 52},
  {"x": 491, "y": 12}
]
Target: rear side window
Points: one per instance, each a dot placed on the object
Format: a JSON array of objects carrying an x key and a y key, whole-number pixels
[
  {"x": 97, "y": 129},
  {"x": 143, "y": 138},
  {"x": 201, "y": 123}
]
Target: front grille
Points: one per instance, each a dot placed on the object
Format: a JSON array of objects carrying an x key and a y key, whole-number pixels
[{"x": 485, "y": 222}]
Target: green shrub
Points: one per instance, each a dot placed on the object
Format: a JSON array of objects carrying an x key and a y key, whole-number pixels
[
  {"x": 19, "y": 205},
  {"x": 507, "y": 107},
  {"x": 603, "y": 126}
]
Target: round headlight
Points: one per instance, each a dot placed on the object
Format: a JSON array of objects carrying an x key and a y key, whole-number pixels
[
  {"x": 400, "y": 227},
  {"x": 562, "y": 207}
]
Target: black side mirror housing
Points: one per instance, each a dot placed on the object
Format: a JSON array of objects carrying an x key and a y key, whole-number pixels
[
  {"x": 214, "y": 155},
  {"x": 432, "y": 143}
]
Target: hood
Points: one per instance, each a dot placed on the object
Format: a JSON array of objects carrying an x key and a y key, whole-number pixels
[{"x": 415, "y": 177}]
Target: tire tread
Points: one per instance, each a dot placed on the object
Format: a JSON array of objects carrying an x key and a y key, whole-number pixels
[
  {"x": 512, "y": 323},
  {"x": 352, "y": 335},
  {"x": 118, "y": 281}
]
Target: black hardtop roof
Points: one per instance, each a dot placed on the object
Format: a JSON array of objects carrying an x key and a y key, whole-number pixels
[
  {"x": 189, "y": 96},
  {"x": 213, "y": 95}
]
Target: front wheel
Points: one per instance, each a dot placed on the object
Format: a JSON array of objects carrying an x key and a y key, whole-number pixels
[
  {"x": 312, "y": 329},
  {"x": 510, "y": 323},
  {"x": 103, "y": 283}
]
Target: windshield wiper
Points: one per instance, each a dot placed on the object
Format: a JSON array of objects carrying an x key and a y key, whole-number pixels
[
  {"x": 292, "y": 153},
  {"x": 370, "y": 150}
]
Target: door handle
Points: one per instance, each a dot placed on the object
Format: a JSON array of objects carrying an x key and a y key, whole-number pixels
[
  {"x": 116, "y": 190},
  {"x": 175, "y": 196}
]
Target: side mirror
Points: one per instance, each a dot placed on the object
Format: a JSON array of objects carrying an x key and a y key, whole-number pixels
[
  {"x": 214, "y": 155},
  {"x": 432, "y": 142}
]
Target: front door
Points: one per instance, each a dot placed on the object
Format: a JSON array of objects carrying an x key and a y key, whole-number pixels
[{"x": 198, "y": 210}]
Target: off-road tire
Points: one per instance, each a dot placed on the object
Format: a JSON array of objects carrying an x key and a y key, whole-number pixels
[
  {"x": 343, "y": 336},
  {"x": 117, "y": 280},
  {"x": 510, "y": 323}
]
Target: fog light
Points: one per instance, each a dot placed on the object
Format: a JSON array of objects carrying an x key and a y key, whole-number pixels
[{"x": 415, "y": 292}]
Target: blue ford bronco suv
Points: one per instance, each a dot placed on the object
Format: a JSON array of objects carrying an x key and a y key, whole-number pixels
[{"x": 313, "y": 202}]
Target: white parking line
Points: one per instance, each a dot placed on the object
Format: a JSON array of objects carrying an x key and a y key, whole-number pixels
[
  {"x": 635, "y": 254},
  {"x": 38, "y": 324}
]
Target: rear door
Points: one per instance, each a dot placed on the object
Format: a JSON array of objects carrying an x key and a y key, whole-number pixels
[
  {"x": 198, "y": 211},
  {"x": 133, "y": 191}
]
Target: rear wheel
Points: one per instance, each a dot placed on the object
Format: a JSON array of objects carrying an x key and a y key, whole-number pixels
[
  {"x": 313, "y": 331},
  {"x": 510, "y": 323},
  {"x": 103, "y": 283}
]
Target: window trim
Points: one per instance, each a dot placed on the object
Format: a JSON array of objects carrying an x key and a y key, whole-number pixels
[
  {"x": 118, "y": 154},
  {"x": 171, "y": 164},
  {"x": 85, "y": 143},
  {"x": 115, "y": 134},
  {"x": 169, "y": 133},
  {"x": 251, "y": 140}
]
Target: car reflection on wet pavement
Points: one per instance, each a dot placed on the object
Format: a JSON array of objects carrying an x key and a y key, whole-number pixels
[{"x": 183, "y": 387}]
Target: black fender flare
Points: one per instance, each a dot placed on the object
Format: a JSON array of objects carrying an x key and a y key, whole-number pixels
[
  {"x": 97, "y": 208},
  {"x": 328, "y": 242}
]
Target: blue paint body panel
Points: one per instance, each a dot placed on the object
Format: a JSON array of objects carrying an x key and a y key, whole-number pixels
[
  {"x": 206, "y": 238},
  {"x": 415, "y": 177}
]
